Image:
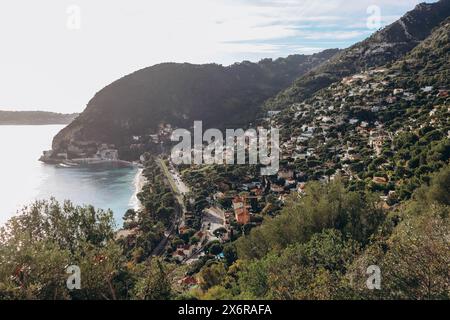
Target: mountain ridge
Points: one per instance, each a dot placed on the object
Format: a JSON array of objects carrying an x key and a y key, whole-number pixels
[
  {"x": 386, "y": 45},
  {"x": 35, "y": 118},
  {"x": 181, "y": 93},
  {"x": 385, "y": 128},
  {"x": 234, "y": 96}
]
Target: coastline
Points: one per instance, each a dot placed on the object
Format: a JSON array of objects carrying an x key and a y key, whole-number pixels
[{"x": 139, "y": 182}]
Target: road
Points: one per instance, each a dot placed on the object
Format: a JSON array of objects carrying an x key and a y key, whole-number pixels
[
  {"x": 179, "y": 189},
  {"x": 181, "y": 186},
  {"x": 213, "y": 217}
]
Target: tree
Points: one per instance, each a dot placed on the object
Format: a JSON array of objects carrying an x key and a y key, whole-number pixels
[
  {"x": 325, "y": 206},
  {"x": 302, "y": 271},
  {"x": 214, "y": 247},
  {"x": 417, "y": 264},
  {"x": 230, "y": 254},
  {"x": 211, "y": 275},
  {"x": 39, "y": 244},
  {"x": 413, "y": 253},
  {"x": 155, "y": 284}
]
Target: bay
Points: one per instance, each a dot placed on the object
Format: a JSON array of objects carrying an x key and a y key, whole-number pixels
[{"x": 23, "y": 179}]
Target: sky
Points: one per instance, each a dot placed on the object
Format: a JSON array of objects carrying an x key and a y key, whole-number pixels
[{"x": 56, "y": 54}]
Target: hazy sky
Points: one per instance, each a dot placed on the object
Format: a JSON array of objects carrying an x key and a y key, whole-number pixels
[{"x": 56, "y": 54}]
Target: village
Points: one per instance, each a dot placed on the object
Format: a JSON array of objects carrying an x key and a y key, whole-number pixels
[
  {"x": 344, "y": 132},
  {"x": 343, "y": 126}
]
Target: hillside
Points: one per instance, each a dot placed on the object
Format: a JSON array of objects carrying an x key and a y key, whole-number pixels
[
  {"x": 386, "y": 45},
  {"x": 34, "y": 118},
  {"x": 364, "y": 182},
  {"x": 181, "y": 93},
  {"x": 358, "y": 210},
  {"x": 385, "y": 129}
]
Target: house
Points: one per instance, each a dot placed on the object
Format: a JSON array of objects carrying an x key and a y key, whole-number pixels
[
  {"x": 200, "y": 234},
  {"x": 251, "y": 185},
  {"x": 377, "y": 144},
  {"x": 107, "y": 154},
  {"x": 218, "y": 196},
  {"x": 392, "y": 194},
  {"x": 291, "y": 183},
  {"x": 301, "y": 188},
  {"x": 276, "y": 188},
  {"x": 74, "y": 149},
  {"x": 310, "y": 152},
  {"x": 271, "y": 114},
  {"x": 380, "y": 180},
  {"x": 188, "y": 281},
  {"x": 182, "y": 229},
  {"x": 375, "y": 109},
  {"x": 62, "y": 155},
  {"x": 46, "y": 156},
  {"x": 241, "y": 212},
  {"x": 391, "y": 99},
  {"x": 257, "y": 191},
  {"x": 301, "y": 156},
  {"x": 285, "y": 174},
  {"x": 409, "y": 96},
  {"x": 327, "y": 119},
  {"x": 347, "y": 80},
  {"x": 179, "y": 255},
  {"x": 125, "y": 233},
  {"x": 443, "y": 93},
  {"x": 154, "y": 138}
]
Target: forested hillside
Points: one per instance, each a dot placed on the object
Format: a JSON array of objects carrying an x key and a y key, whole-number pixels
[
  {"x": 34, "y": 118},
  {"x": 385, "y": 129},
  {"x": 386, "y": 45},
  {"x": 178, "y": 94}
]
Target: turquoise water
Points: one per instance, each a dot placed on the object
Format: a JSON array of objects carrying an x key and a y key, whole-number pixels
[{"x": 23, "y": 179}]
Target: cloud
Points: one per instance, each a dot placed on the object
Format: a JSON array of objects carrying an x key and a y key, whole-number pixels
[
  {"x": 336, "y": 35},
  {"x": 61, "y": 69},
  {"x": 344, "y": 22}
]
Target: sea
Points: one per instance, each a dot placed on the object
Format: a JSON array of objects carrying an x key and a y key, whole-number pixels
[{"x": 23, "y": 179}]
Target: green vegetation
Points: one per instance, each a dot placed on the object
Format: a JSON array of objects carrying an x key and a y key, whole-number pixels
[
  {"x": 401, "y": 123},
  {"x": 321, "y": 246},
  {"x": 318, "y": 247},
  {"x": 364, "y": 181},
  {"x": 386, "y": 45},
  {"x": 158, "y": 214},
  {"x": 179, "y": 94},
  {"x": 35, "y": 118},
  {"x": 37, "y": 246}
]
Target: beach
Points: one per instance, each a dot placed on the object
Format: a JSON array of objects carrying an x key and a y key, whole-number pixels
[{"x": 139, "y": 182}]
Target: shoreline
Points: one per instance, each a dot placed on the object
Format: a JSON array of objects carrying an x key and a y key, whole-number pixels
[
  {"x": 94, "y": 161},
  {"x": 139, "y": 183}
]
